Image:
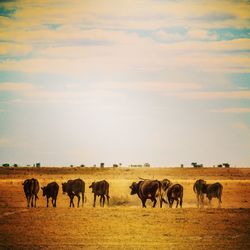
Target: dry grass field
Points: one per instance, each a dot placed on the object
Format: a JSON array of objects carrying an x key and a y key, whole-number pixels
[{"x": 125, "y": 224}]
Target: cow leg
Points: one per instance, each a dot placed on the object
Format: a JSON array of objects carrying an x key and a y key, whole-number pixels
[
  {"x": 202, "y": 200},
  {"x": 48, "y": 201},
  {"x": 78, "y": 196},
  {"x": 54, "y": 205},
  {"x": 94, "y": 200},
  {"x": 209, "y": 201},
  {"x": 171, "y": 202},
  {"x": 177, "y": 202},
  {"x": 28, "y": 201},
  {"x": 71, "y": 201},
  {"x": 181, "y": 202},
  {"x": 143, "y": 202},
  {"x": 32, "y": 200},
  {"x": 103, "y": 200},
  {"x": 107, "y": 200},
  {"x": 82, "y": 199},
  {"x": 219, "y": 203},
  {"x": 154, "y": 200},
  {"x": 198, "y": 200}
]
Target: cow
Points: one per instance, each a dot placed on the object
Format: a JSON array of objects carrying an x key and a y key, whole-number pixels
[
  {"x": 74, "y": 188},
  {"x": 148, "y": 189},
  {"x": 213, "y": 191},
  {"x": 51, "y": 191},
  {"x": 31, "y": 189},
  {"x": 199, "y": 188},
  {"x": 175, "y": 193},
  {"x": 100, "y": 188}
]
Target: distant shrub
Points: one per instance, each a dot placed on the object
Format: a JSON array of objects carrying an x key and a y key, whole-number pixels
[{"x": 6, "y": 165}]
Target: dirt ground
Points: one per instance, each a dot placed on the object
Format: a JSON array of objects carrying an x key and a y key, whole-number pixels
[{"x": 125, "y": 224}]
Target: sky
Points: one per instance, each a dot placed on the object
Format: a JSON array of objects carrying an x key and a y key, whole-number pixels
[{"x": 163, "y": 82}]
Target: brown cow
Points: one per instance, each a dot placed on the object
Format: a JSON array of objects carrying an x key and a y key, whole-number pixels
[
  {"x": 100, "y": 188},
  {"x": 175, "y": 193},
  {"x": 74, "y": 188},
  {"x": 199, "y": 188},
  {"x": 31, "y": 189},
  {"x": 51, "y": 191},
  {"x": 148, "y": 189},
  {"x": 214, "y": 191}
]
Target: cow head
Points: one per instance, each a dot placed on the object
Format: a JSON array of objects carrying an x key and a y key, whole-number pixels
[
  {"x": 44, "y": 190},
  {"x": 134, "y": 188},
  {"x": 92, "y": 186},
  {"x": 64, "y": 187},
  {"x": 166, "y": 183}
]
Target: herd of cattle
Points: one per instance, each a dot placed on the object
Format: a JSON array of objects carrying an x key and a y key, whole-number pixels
[{"x": 145, "y": 189}]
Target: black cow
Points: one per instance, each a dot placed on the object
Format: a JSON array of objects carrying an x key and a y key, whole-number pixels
[
  {"x": 175, "y": 193},
  {"x": 74, "y": 188},
  {"x": 100, "y": 188},
  {"x": 51, "y": 191},
  {"x": 199, "y": 188},
  {"x": 31, "y": 189},
  {"x": 148, "y": 189},
  {"x": 214, "y": 191}
]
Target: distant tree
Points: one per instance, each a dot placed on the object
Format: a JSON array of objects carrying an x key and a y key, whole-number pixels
[
  {"x": 219, "y": 166},
  {"x": 182, "y": 166},
  {"x": 38, "y": 165},
  {"x": 115, "y": 165},
  {"x": 82, "y": 166},
  {"x": 15, "y": 165},
  {"x": 147, "y": 165},
  {"x": 195, "y": 165},
  {"x": 6, "y": 165},
  {"x": 102, "y": 165},
  {"x": 120, "y": 164},
  {"x": 71, "y": 166},
  {"x": 226, "y": 165}
]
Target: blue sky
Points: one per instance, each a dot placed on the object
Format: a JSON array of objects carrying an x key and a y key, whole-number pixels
[{"x": 165, "y": 82}]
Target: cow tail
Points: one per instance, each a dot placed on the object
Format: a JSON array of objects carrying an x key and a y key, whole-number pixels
[
  {"x": 36, "y": 196},
  {"x": 194, "y": 188}
]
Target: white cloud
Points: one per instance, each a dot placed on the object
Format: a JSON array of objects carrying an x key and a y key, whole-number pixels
[
  {"x": 17, "y": 86},
  {"x": 232, "y": 110},
  {"x": 209, "y": 95}
]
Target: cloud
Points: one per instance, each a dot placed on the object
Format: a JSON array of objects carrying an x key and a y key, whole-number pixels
[
  {"x": 212, "y": 95},
  {"x": 10, "y": 86},
  {"x": 232, "y": 110},
  {"x": 200, "y": 34}
]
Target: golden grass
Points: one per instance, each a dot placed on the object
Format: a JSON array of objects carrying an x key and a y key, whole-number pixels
[{"x": 125, "y": 225}]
